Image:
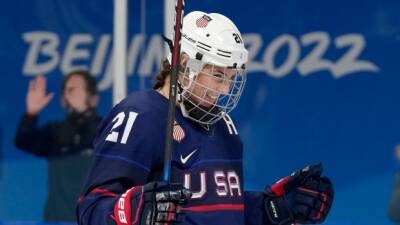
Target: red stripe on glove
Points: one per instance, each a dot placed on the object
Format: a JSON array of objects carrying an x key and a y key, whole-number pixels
[
  {"x": 278, "y": 188},
  {"x": 123, "y": 208},
  {"x": 324, "y": 199}
]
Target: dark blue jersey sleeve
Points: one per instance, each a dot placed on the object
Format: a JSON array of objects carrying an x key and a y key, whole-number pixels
[
  {"x": 127, "y": 148},
  {"x": 254, "y": 208}
]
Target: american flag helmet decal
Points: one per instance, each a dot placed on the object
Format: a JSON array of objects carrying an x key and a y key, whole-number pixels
[
  {"x": 178, "y": 132},
  {"x": 203, "y": 21}
]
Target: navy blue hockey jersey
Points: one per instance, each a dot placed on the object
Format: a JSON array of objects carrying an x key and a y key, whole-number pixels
[{"x": 129, "y": 152}]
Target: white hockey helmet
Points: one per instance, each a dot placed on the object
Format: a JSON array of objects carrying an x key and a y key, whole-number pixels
[{"x": 214, "y": 47}]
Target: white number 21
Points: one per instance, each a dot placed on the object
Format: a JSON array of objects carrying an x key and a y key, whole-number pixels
[{"x": 118, "y": 120}]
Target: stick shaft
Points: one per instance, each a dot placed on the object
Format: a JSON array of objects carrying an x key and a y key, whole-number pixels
[{"x": 172, "y": 88}]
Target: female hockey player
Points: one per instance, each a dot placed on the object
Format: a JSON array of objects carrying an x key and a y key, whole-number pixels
[{"x": 124, "y": 185}]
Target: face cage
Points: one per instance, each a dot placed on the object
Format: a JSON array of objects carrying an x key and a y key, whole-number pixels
[{"x": 206, "y": 100}]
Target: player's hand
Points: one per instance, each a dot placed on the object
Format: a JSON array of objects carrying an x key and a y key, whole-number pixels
[
  {"x": 303, "y": 197},
  {"x": 36, "y": 98},
  {"x": 156, "y": 203}
]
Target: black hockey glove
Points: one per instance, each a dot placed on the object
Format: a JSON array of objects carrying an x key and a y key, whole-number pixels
[
  {"x": 156, "y": 203},
  {"x": 303, "y": 197}
]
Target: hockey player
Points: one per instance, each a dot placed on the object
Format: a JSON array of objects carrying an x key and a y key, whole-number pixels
[{"x": 124, "y": 185}]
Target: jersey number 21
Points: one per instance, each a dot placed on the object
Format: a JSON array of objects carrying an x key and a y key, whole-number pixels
[{"x": 118, "y": 120}]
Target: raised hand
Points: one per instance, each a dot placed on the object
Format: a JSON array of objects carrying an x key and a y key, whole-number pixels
[{"x": 36, "y": 98}]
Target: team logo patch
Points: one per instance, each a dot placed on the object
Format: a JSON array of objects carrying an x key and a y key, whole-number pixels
[
  {"x": 178, "y": 133},
  {"x": 203, "y": 21}
]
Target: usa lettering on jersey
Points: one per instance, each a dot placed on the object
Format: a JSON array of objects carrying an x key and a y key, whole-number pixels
[{"x": 226, "y": 184}]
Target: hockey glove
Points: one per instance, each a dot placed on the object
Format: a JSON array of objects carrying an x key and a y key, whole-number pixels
[
  {"x": 303, "y": 197},
  {"x": 156, "y": 203}
]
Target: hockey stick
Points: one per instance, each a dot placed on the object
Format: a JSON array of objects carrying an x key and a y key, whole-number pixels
[{"x": 179, "y": 5}]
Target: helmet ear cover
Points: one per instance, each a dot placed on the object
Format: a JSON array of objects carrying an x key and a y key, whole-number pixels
[{"x": 194, "y": 67}]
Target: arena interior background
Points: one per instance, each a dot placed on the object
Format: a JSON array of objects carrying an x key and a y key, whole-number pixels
[{"x": 323, "y": 85}]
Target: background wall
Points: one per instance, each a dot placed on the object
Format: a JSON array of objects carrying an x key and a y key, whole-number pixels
[{"x": 322, "y": 86}]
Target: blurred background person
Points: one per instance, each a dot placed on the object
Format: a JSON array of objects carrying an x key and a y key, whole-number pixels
[
  {"x": 394, "y": 203},
  {"x": 67, "y": 144}
]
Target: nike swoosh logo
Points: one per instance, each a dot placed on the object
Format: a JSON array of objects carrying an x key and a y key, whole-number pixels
[{"x": 185, "y": 159}]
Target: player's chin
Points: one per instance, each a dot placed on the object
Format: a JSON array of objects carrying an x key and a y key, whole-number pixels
[
  {"x": 208, "y": 104},
  {"x": 203, "y": 102}
]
